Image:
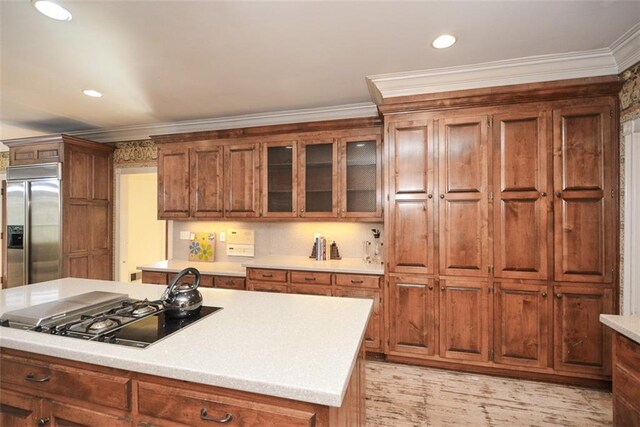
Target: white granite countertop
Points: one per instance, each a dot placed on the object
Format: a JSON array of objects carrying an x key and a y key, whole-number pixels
[
  {"x": 629, "y": 326},
  {"x": 287, "y": 262},
  {"x": 212, "y": 268},
  {"x": 298, "y": 347}
]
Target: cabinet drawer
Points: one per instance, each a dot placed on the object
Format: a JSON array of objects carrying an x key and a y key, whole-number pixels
[
  {"x": 311, "y": 289},
  {"x": 308, "y": 277},
  {"x": 267, "y": 275},
  {"x": 358, "y": 280},
  {"x": 268, "y": 287},
  {"x": 154, "y": 277},
  {"x": 229, "y": 282},
  {"x": 67, "y": 381},
  {"x": 196, "y": 409}
]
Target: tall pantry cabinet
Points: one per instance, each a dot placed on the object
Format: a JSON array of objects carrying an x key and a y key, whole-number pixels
[{"x": 502, "y": 232}]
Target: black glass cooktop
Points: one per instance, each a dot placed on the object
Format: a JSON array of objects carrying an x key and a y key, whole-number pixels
[{"x": 152, "y": 329}]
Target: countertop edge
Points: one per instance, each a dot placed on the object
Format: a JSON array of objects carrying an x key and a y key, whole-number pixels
[{"x": 613, "y": 321}]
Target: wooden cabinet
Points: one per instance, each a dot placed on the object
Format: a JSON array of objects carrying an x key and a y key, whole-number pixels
[
  {"x": 280, "y": 179},
  {"x": 40, "y": 152},
  {"x": 227, "y": 282},
  {"x": 412, "y": 315},
  {"x": 205, "y": 182},
  {"x": 465, "y": 310},
  {"x": 153, "y": 401},
  {"x": 155, "y": 277},
  {"x": 242, "y": 180},
  {"x": 318, "y": 177},
  {"x": 521, "y": 324},
  {"x": 523, "y": 195},
  {"x": 463, "y": 192},
  {"x": 584, "y": 209},
  {"x": 361, "y": 176},
  {"x": 411, "y": 205},
  {"x": 206, "y": 280},
  {"x": 374, "y": 332},
  {"x": 173, "y": 183},
  {"x": 626, "y": 381},
  {"x": 582, "y": 343}
]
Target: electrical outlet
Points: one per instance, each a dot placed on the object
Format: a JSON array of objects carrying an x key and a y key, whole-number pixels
[
  {"x": 185, "y": 235},
  {"x": 223, "y": 236}
]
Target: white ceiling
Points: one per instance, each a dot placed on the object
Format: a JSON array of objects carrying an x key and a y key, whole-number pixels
[{"x": 167, "y": 61}]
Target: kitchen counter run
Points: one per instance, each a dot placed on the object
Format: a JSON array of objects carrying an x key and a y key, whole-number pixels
[
  {"x": 629, "y": 326},
  {"x": 292, "y": 346},
  {"x": 287, "y": 262},
  {"x": 211, "y": 268}
]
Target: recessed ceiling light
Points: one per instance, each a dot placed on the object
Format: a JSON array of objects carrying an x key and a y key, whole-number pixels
[
  {"x": 443, "y": 41},
  {"x": 52, "y": 9},
  {"x": 92, "y": 93}
]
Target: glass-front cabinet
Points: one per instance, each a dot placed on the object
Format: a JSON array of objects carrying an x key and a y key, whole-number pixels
[
  {"x": 318, "y": 175},
  {"x": 361, "y": 177},
  {"x": 280, "y": 160}
]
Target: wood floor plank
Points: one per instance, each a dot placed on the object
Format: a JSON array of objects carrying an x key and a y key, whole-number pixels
[{"x": 403, "y": 395}]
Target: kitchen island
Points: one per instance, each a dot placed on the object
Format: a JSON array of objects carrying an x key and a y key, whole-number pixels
[{"x": 264, "y": 359}]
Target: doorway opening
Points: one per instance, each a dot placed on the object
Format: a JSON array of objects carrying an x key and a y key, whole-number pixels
[{"x": 140, "y": 237}]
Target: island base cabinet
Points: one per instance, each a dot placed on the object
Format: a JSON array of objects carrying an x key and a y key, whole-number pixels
[{"x": 626, "y": 382}]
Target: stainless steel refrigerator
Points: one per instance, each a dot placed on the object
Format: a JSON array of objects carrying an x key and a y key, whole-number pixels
[{"x": 34, "y": 228}]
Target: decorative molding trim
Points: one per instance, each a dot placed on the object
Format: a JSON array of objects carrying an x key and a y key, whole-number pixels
[
  {"x": 626, "y": 50},
  {"x": 143, "y": 132},
  {"x": 4, "y": 161},
  {"x": 531, "y": 69},
  {"x": 135, "y": 154}
]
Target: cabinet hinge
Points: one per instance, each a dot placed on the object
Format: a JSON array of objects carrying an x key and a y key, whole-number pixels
[
  {"x": 610, "y": 113},
  {"x": 490, "y": 122},
  {"x": 613, "y": 194},
  {"x": 490, "y": 354},
  {"x": 387, "y": 197},
  {"x": 490, "y": 196},
  {"x": 490, "y": 269}
]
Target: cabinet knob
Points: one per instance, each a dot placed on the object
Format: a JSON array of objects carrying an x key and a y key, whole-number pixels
[
  {"x": 442, "y": 196},
  {"x": 442, "y": 288},
  {"x": 559, "y": 194},
  {"x": 430, "y": 196},
  {"x": 558, "y": 295},
  {"x": 43, "y": 421},
  {"x": 430, "y": 287},
  {"x": 543, "y": 194},
  {"x": 302, "y": 210},
  {"x": 544, "y": 295}
]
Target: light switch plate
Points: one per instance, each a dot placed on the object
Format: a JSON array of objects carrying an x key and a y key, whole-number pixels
[
  {"x": 185, "y": 235},
  {"x": 223, "y": 236}
]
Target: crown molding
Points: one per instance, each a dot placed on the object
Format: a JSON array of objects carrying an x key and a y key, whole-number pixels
[
  {"x": 626, "y": 50},
  {"x": 531, "y": 69},
  {"x": 139, "y": 132}
]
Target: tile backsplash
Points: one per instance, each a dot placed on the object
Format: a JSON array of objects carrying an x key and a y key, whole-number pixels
[{"x": 278, "y": 238}]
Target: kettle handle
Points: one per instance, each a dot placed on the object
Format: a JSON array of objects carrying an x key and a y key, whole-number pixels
[{"x": 168, "y": 293}]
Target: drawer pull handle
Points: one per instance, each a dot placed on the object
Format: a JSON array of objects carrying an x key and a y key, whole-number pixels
[
  {"x": 267, "y": 275},
  {"x": 227, "y": 418},
  {"x": 309, "y": 279},
  {"x": 43, "y": 421},
  {"x": 357, "y": 282},
  {"x": 31, "y": 377}
]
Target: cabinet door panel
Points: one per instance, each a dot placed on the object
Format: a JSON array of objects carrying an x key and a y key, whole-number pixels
[
  {"x": 412, "y": 312},
  {"x": 411, "y": 154},
  {"x": 463, "y": 205},
  {"x": 582, "y": 343},
  {"x": 464, "y": 320},
  {"x": 206, "y": 182},
  {"x": 319, "y": 179},
  {"x": 18, "y": 410},
  {"x": 173, "y": 183},
  {"x": 280, "y": 179},
  {"x": 80, "y": 171},
  {"x": 361, "y": 177},
  {"x": 521, "y": 335},
  {"x": 102, "y": 178},
  {"x": 521, "y": 203},
  {"x": 584, "y": 212},
  {"x": 373, "y": 334},
  {"x": 412, "y": 241},
  {"x": 242, "y": 181}
]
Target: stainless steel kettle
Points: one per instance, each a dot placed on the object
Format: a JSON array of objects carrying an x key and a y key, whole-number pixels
[{"x": 183, "y": 299}]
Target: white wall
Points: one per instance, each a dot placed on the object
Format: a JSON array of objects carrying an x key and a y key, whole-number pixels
[
  {"x": 631, "y": 273},
  {"x": 279, "y": 238}
]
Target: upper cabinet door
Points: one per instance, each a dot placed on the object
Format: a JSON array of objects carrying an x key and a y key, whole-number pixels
[
  {"x": 463, "y": 196},
  {"x": 410, "y": 170},
  {"x": 206, "y": 182},
  {"x": 361, "y": 177},
  {"x": 242, "y": 180},
  {"x": 318, "y": 179},
  {"x": 173, "y": 182},
  {"x": 583, "y": 212},
  {"x": 522, "y": 195},
  {"x": 280, "y": 179}
]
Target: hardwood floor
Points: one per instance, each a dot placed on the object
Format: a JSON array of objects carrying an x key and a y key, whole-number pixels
[{"x": 402, "y": 395}]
